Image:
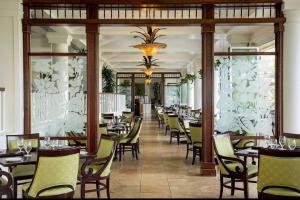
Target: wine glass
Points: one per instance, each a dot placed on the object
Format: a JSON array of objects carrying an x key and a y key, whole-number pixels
[
  {"x": 20, "y": 144},
  {"x": 273, "y": 143},
  {"x": 47, "y": 141},
  {"x": 267, "y": 140},
  {"x": 54, "y": 144},
  {"x": 27, "y": 147},
  {"x": 292, "y": 144},
  {"x": 282, "y": 141}
]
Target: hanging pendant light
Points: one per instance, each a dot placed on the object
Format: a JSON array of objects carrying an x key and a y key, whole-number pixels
[
  {"x": 149, "y": 47},
  {"x": 148, "y": 79}
]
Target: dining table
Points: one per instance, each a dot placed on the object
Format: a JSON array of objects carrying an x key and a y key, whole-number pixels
[{"x": 14, "y": 158}]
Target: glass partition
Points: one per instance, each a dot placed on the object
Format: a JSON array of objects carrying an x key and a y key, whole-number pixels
[
  {"x": 58, "y": 95},
  {"x": 172, "y": 91},
  {"x": 245, "y": 87}
]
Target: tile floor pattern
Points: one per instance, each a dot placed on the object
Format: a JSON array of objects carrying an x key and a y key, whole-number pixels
[{"x": 161, "y": 171}]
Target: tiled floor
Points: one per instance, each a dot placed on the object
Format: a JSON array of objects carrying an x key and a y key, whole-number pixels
[{"x": 162, "y": 171}]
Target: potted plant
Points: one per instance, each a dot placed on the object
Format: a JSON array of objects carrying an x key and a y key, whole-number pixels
[{"x": 108, "y": 79}]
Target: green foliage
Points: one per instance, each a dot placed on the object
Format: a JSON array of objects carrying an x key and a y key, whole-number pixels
[
  {"x": 187, "y": 78},
  {"x": 155, "y": 88},
  {"x": 140, "y": 89},
  {"x": 125, "y": 83},
  {"x": 109, "y": 79}
]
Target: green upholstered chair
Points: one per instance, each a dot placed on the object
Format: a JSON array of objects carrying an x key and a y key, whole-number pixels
[
  {"x": 93, "y": 171},
  {"x": 76, "y": 142},
  {"x": 55, "y": 175},
  {"x": 103, "y": 130},
  {"x": 131, "y": 140},
  {"x": 231, "y": 166},
  {"x": 243, "y": 143},
  {"x": 21, "y": 172},
  {"x": 196, "y": 139},
  {"x": 166, "y": 121},
  {"x": 6, "y": 184},
  {"x": 278, "y": 174},
  {"x": 107, "y": 117},
  {"x": 176, "y": 128}
]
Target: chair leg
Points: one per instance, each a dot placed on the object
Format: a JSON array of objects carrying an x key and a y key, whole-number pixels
[
  {"x": 166, "y": 130},
  {"x": 120, "y": 152},
  {"x": 178, "y": 138},
  {"x": 194, "y": 155},
  {"x": 246, "y": 188},
  {"x": 232, "y": 186},
  {"x": 187, "y": 150},
  {"x": 15, "y": 187},
  {"x": 170, "y": 137},
  {"x": 82, "y": 190},
  {"x": 98, "y": 189},
  {"x": 136, "y": 154},
  {"x": 138, "y": 146},
  {"x": 123, "y": 149},
  {"x": 221, "y": 186},
  {"x": 107, "y": 188},
  {"x": 132, "y": 150}
]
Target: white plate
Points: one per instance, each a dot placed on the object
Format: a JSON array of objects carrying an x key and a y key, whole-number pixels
[{"x": 13, "y": 159}]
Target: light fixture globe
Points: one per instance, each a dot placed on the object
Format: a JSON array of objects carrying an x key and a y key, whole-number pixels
[
  {"x": 148, "y": 81},
  {"x": 148, "y": 71},
  {"x": 149, "y": 49}
]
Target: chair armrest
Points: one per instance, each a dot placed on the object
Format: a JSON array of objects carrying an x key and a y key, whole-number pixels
[
  {"x": 9, "y": 178},
  {"x": 237, "y": 169},
  {"x": 86, "y": 171}
]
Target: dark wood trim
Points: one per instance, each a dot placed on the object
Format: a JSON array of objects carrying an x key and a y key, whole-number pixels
[
  {"x": 132, "y": 92},
  {"x": 162, "y": 90},
  {"x": 49, "y": 2},
  {"x": 92, "y": 33},
  {"x": 165, "y": 22},
  {"x": 292, "y": 135},
  {"x": 2, "y": 89},
  {"x": 55, "y": 54},
  {"x": 279, "y": 29},
  {"x": 245, "y": 53},
  {"x": 26, "y": 71},
  {"x": 207, "y": 160},
  {"x": 238, "y": 137}
]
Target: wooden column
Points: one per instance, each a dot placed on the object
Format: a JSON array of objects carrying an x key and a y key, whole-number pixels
[
  {"x": 207, "y": 159},
  {"x": 26, "y": 71},
  {"x": 132, "y": 92},
  {"x": 92, "y": 35},
  {"x": 162, "y": 90},
  {"x": 279, "y": 29}
]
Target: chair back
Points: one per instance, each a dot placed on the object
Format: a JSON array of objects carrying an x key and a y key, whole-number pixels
[
  {"x": 136, "y": 136},
  {"x": 103, "y": 129},
  {"x": 223, "y": 146},
  {"x": 175, "y": 124},
  {"x": 196, "y": 133},
  {"x": 6, "y": 184},
  {"x": 134, "y": 128},
  {"x": 107, "y": 117},
  {"x": 127, "y": 116},
  {"x": 11, "y": 140},
  {"x": 106, "y": 149},
  {"x": 279, "y": 171},
  {"x": 56, "y": 169}
]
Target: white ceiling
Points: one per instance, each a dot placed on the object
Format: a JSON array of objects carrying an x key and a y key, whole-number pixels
[{"x": 183, "y": 43}]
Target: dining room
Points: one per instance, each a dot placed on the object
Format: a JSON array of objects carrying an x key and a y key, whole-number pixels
[{"x": 177, "y": 99}]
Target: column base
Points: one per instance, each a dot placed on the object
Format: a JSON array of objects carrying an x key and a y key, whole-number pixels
[{"x": 207, "y": 169}]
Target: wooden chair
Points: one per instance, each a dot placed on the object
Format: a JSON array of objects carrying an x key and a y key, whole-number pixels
[
  {"x": 196, "y": 139},
  {"x": 176, "y": 129},
  {"x": 231, "y": 166},
  {"x": 97, "y": 169},
  {"x": 6, "y": 184},
  {"x": 278, "y": 174},
  {"x": 21, "y": 172},
  {"x": 55, "y": 175}
]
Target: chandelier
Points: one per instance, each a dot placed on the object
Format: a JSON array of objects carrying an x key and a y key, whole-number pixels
[
  {"x": 148, "y": 79},
  {"x": 148, "y": 62},
  {"x": 149, "y": 47}
]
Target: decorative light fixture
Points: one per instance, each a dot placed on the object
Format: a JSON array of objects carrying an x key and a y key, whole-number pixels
[
  {"x": 148, "y": 79},
  {"x": 149, "y": 47},
  {"x": 148, "y": 62}
]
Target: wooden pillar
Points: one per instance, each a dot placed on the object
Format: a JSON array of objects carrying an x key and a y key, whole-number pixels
[
  {"x": 279, "y": 29},
  {"x": 132, "y": 92},
  {"x": 162, "y": 90},
  {"x": 26, "y": 71},
  {"x": 207, "y": 159},
  {"x": 92, "y": 35}
]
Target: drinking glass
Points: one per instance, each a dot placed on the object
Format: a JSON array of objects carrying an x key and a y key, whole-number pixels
[
  {"x": 273, "y": 143},
  {"x": 282, "y": 141},
  {"x": 27, "y": 148},
  {"x": 47, "y": 141},
  {"x": 54, "y": 144},
  {"x": 267, "y": 140},
  {"x": 292, "y": 144},
  {"x": 20, "y": 144}
]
